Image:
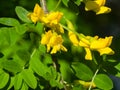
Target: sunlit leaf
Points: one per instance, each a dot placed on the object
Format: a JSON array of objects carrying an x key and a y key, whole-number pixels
[
  {"x": 9, "y": 21},
  {"x": 103, "y": 82},
  {"x": 4, "y": 78},
  {"x": 24, "y": 86},
  {"x": 11, "y": 83},
  {"x": 40, "y": 28},
  {"x": 37, "y": 66},
  {"x": 18, "y": 81},
  {"x": 21, "y": 29},
  {"x": 11, "y": 66},
  {"x": 29, "y": 78},
  {"x": 82, "y": 71},
  {"x": 22, "y": 14},
  {"x": 9, "y": 36}
]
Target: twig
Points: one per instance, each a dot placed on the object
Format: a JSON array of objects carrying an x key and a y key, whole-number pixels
[
  {"x": 94, "y": 77},
  {"x": 43, "y": 5}
]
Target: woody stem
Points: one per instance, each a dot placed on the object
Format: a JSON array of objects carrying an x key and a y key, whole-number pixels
[{"x": 43, "y": 5}]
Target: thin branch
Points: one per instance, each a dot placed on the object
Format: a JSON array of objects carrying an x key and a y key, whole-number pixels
[
  {"x": 43, "y": 5},
  {"x": 94, "y": 77},
  {"x": 57, "y": 4}
]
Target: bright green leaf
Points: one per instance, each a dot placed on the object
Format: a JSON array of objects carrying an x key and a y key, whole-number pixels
[
  {"x": 47, "y": 59},
  {"x": 24, "y": 86},
  {"x": 103, "y": 82},
  {"x": 22, "y": 14},
  {"x": 11, "y": 83},
  {"x": 42, "y": 49},
  {"x": 37, "y": 65},
  {"x": 4, "y": 78},
  {"x": 65, "y": 2},
  {"x": 82, "y": 71},
  {"x": 21, "y": 29},
  {"x": 11, "y": 66},
  {"x": 40, "y": 28},
  {"x": 29, "y": 78},
  {"x": 9, "y": 21},
  {"x": 9, "y": 36},
  {"x": 18, "y": 81}
]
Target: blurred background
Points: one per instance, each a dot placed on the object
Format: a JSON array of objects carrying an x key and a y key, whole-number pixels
[{"x": 85, "y": 22}]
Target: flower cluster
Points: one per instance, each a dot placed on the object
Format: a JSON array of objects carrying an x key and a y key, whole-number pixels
[
  {"x": 90, "y": 43},
  {"x": 54, "y": 41},
  {"x": 97, "y": 6},
  {"x": 51, "y": 38}
]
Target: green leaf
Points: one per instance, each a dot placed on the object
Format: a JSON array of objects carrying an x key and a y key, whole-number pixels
[
  {"x": 24, "y": 86},
  {"x": 21, "y": 29},
  {"x": 65, "y": 70},
  {"x": 78, "y": 2},
  {"x": 22, "y": 14},
  {"x": 9, "y": 36},
  {"x": 24, "y": 55},
  {"x": 78, "y": 87},
  {"x": 118, "y": 66},
  {"x": 65, "y": 2},
  {"x": 11, "y": 83},
  {"x": 42, "y": 49},
  {"x": 47, "y": 59},
  {"x": 37, "y": 66},
  {"x": 4, "y": 78},
  {"x": 29, "y": 78},
  {"x": 82, "y": 71},
  {"x": 40, "y": 28},
  {"x": 18, "y": 81},
  {"x": 11, "y": 66},
  {"x": 9, "y": 21},
  {"x": 103, "y": 82}
]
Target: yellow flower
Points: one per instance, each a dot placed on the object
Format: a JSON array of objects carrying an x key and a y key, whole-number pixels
[
  {"x": 97, "y": 6},
  {"x": 54, "y": 41},
  {"x": 85, "y": 84},
  {"x": 50, "y": 20},
  {"x": 73, "y": 38},
  {"x": 37, "y": 14},
  {"x": 102, "y": 45},
  {"x": 98, "y": 44}
]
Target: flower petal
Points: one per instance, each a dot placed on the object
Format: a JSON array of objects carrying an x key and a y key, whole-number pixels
[
  {"x": 88, "y": 55},
  {"x": 102, "y": 10},
  {"x": 106, "y": 50},
  {"x": 101, "y": 43}
]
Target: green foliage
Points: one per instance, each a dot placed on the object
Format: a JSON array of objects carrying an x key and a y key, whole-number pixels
[
  {"x": 82, "y": 71},
  {"x": 29, "y": 78},
  {"x": 4, "y": 78},
  {"x": 102, "y": 81},
  {"x": 25, "y": 63},
  {"x": 18, "y": 81},
  {"x": 22, "y": 14},
  {"x": 11, "y": 66},
  {"x": 9, "y": 21},
  {"x": 77, "y": 2}
]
